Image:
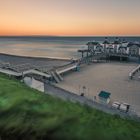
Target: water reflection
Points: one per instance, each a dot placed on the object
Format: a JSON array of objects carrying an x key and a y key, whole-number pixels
[{"x": 43, "y": 49}]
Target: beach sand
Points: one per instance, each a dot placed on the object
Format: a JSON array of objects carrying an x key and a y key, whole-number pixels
[
  {"x": 111, "y": 77},
  {"x": 37, "y": 62}
]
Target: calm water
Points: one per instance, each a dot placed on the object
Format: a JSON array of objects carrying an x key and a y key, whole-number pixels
[{"x": 61, "y": 47}]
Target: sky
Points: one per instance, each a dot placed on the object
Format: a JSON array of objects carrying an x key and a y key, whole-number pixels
[{"x": 70, "y": 17}]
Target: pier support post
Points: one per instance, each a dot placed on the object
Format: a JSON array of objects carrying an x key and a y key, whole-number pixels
[
  {"x": 120, "y": 58},
  {"x": 82, "y": 54},
  {"x": 87, "y": 54}
]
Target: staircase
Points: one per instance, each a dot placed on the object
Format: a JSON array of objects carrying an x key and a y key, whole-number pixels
[{"x": 57, "y": 77}]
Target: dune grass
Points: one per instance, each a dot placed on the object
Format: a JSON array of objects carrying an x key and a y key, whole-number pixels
[{"x": 28, "y": 114}]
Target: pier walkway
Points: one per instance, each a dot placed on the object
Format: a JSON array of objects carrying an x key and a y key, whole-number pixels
[
  {"x": 57, "y": 72},
  {"x": 67, "y": 68},
  {"x": 24, "y": 69},
  {"x": 18, "y": 74},
  {"x": 10, "y": 72},
  {"x": 36, "y": 72}
]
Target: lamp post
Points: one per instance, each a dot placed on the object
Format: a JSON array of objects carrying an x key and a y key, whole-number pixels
[{"x": 84, "y": 91}]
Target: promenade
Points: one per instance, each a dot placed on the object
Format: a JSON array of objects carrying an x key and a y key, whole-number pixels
[{"x": 69, "y": 96}]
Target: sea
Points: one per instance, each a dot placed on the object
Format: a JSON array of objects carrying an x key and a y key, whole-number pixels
[{"x": 50, "y": 46}]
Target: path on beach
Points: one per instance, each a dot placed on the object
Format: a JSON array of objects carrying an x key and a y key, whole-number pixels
[{"x": 69, "y": 96}]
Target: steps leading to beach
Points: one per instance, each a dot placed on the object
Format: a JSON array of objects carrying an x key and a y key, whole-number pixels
[
  {"x": 59, "y": 76},
  {"x": 55, "y": 76}
]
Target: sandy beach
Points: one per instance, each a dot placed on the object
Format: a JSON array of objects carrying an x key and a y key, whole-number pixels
[
  {"x": 44, "y": 64},
  {"x": 111, "y": 77}
]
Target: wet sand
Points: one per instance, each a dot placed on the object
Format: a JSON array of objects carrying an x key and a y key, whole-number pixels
[{"x": 111, "y": 77}]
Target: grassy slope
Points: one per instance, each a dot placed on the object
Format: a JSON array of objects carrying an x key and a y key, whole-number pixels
[{"x": 29, "y": 114}]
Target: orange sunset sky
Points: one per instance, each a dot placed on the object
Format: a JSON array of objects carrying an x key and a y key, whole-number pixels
[{"x": 70, "y": 17}]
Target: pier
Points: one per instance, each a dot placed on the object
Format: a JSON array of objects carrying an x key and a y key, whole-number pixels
[
  {"x": 49, "y": 69},
  {"x": 109, "y": 50}
]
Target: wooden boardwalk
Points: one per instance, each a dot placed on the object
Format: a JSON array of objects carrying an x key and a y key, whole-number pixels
[
  {"x": 17, "y": 74},
  {"x": 56, "y": 74},
  {"x": 10, "y": 72},
  {"x": 67, "y": 68}
]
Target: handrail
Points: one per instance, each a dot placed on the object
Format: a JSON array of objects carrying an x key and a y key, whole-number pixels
[
  {"x": 10, "y": 72},
  {"x": 134, "y": 71}
]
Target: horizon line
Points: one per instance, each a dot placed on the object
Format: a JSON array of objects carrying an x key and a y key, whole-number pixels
[{"x": 69, "y": 36}]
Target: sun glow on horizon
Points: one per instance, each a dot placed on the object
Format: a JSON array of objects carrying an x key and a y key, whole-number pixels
[{"x": 70, "y": 18}]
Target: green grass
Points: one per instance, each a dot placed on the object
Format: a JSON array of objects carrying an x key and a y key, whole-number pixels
[{"x": 28, "y": 114}]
